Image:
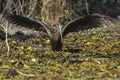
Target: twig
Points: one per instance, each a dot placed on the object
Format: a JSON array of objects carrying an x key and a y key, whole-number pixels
[
  {"x": 6, "y": 40},
  {"x": 30, "y": 75},
  {"x": 33, "y": 8},
  {"x": 6, "y": 36},
  {"x": 86, "y": 3},
  {"x": 19, "y": 72}
]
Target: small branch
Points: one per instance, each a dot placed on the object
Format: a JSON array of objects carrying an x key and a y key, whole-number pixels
[
  {"x": 6, "y": 36},
  {"x": 30, "y": 75},
  {"x": 17, "y": 71},
  {"x": 71, "y": 6},
  {"x": 6, "y": 40},
  {"x": 32, "y": 9},
  {"x": 86, "y": 3}
]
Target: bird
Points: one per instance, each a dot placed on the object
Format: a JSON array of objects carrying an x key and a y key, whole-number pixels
[{"x": 81, "y": 23}]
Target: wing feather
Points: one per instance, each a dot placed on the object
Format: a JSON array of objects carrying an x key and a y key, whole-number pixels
[
  {"x": 83, "y": 23},
  {"x": 28, "y": 23}
]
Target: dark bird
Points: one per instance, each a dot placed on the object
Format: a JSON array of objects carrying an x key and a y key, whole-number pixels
[{"x": 82, "y": 23}]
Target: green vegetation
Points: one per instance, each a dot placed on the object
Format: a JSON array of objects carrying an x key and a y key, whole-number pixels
[{"x": 86, "y": 55}]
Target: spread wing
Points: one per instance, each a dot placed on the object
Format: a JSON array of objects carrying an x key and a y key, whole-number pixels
[
  {"x": 28, "y": 23},
  {"x": 83, "y": 23}
]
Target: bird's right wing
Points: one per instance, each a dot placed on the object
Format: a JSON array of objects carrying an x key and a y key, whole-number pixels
[
  {"x": 83, "y": 23},
  {"x": 28, "y": 23}
]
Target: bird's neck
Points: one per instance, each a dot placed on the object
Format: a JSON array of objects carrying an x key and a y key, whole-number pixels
[{"x": 56, "y": 36}]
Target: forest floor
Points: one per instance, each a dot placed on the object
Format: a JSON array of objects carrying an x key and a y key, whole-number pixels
[{"x": 87, "y": 55}]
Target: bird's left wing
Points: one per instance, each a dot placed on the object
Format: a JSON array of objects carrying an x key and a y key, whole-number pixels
[
  {"x": 28, "y": 23},
  {"x": 83, "y": 23}
]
